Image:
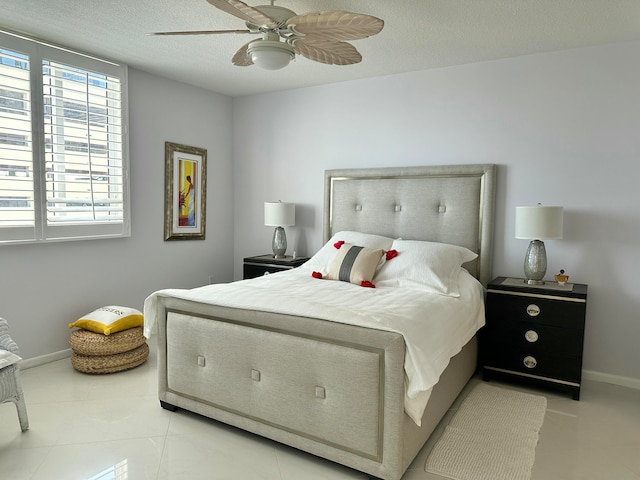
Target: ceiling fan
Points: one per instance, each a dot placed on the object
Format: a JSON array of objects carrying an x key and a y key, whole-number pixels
[{"x": 318, "y": 36}]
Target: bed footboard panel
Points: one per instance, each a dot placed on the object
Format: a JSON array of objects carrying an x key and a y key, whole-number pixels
[
  {"x": 290, "y": 382},
  {"x": 331, "y": 389}
]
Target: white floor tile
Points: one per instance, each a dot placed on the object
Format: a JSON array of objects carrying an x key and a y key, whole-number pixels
[
  {"x": 113, "y": 460},
  {"x": 21, "y": 464},
  {"x": 296, "y": 465},
  {"x": 217, "y": 454}
]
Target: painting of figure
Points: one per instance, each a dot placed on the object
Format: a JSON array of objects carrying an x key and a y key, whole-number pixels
[{"x": 187, "y": 193}]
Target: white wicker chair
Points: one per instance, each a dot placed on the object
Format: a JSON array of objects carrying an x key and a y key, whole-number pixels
[{"x": 10, "y": 387}]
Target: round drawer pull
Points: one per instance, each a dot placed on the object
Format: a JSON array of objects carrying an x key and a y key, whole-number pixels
[
  {"x": 533, "y": 310},
  {"x": 531, "y": 336},
  {"x": 530, "y": 362}
]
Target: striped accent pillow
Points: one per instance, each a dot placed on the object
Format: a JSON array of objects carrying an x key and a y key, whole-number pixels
[{"x": 354, "y": 264}]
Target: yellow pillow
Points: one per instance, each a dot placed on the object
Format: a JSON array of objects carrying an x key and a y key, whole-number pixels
[{"x": 110, "y": 319}]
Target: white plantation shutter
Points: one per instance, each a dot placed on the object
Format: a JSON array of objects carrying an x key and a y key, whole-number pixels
[
  {"x": 17, "y": 209},
  {"x": 63, "y": 144}
]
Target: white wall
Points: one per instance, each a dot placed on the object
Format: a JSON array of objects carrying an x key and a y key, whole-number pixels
[
  {"x": 564, "y": 129},
  {"x": 45, "y": 287}
]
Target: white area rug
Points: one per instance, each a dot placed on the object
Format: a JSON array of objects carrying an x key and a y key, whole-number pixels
[{"x": 493, "y": 436}]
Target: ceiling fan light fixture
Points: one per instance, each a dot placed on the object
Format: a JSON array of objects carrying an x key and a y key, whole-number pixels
[
  {"x": 270, "y": 55},
  {"x": 318, "y": 36}
]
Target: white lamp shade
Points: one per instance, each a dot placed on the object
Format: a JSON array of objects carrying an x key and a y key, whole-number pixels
[
  {"x": 279, "y": 214},
  {"x": 539, "y": 222}
]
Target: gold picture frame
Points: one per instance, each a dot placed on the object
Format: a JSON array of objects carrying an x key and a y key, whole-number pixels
[{"x": 185, "y": 192}]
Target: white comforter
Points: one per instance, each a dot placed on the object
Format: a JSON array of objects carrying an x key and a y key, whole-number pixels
[{"x": 432, "y": 338}]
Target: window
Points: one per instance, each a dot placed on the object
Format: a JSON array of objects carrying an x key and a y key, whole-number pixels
[{"x": 63, "y": 144}]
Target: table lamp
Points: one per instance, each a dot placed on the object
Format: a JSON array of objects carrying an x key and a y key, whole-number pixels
[
  {"x": 279, "y": 215},
  {"x": 537, "y": 223}
]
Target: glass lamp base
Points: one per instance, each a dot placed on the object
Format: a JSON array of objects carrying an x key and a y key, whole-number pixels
[
  {"x": 279, "y": 243},
  {"x": 535, "y": 263}
]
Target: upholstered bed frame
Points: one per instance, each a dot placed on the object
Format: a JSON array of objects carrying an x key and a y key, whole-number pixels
[{"x": 259, "y": 357}]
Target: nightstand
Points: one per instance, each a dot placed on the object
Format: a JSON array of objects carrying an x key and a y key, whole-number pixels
[
  {"x": 265, "y": 264},
  {"x": 534, "y": 334}
]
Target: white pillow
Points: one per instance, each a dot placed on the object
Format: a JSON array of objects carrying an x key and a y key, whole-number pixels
[
  {"x": 429, "y": 266},
  {"x": 322, "y": 260}
]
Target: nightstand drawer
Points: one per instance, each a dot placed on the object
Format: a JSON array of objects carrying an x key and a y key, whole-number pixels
[
  {"x": 504, "y": 335},
  {"x": 562, "y": 313},
  {"x": 253, "y": 270},
  {"x": 546, "y": 365},
  {"x": 534, "y": 349}
]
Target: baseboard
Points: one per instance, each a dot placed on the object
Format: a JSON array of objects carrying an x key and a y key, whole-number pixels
[
  {"x": 42, "y": 359},
  {"x": 612, "y": 379}
]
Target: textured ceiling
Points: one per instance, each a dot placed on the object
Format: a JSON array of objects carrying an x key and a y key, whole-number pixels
[{"x": 418, "y": 35}]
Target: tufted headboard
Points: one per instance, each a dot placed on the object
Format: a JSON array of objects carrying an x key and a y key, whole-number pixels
[{"x": 448, "y": 204}]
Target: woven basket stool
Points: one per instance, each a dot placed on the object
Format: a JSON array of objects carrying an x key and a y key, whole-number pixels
[{"x": 98, "y": 353}]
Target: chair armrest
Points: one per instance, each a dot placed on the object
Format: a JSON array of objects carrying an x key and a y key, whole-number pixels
[{"x": 6, "y": 343}]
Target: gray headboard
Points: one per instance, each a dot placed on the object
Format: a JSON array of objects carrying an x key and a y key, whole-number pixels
[{"x": 449, "y": 204}]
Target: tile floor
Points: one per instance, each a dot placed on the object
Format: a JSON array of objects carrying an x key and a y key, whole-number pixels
[{"x": 111, "y": 427}]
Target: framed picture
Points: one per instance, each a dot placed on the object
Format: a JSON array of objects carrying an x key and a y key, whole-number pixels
[{"x": 184, "y": 192}]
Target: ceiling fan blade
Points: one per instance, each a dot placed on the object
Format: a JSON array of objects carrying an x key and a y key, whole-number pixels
[
  {"x": 243, "y": 11},
  {"x": 201, "y": 32},
  {"x": 336, "y": 25},
  {"x": 329, "y": 52},
  {"x": 241, "y": 59}
]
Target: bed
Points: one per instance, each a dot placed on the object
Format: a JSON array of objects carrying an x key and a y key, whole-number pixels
[{"x": 347, "y": 386}]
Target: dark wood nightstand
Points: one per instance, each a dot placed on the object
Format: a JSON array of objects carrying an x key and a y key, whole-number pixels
[
  {"x": 265, "y": 264},
  {"x": 534, "y": 334}
]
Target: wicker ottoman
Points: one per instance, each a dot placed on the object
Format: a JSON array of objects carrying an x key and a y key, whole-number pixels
[{"x": 98, "y": 353}]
